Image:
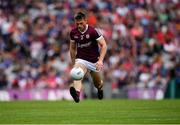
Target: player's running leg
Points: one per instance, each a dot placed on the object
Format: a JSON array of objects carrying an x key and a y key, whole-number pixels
[
  {"x": 98, "y": 83},
  {"x": 77, "y": 84}
]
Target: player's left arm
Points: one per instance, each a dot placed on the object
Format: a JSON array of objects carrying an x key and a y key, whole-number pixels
[{"x": 103, "y": 48}]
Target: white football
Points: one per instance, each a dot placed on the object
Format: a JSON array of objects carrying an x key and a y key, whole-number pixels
[{"x": 77, "y": 73}]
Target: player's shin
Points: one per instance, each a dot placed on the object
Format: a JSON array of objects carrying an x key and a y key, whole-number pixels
[
  {"x": 77, "y": 85},
  {"x": 99, "y": 87}
]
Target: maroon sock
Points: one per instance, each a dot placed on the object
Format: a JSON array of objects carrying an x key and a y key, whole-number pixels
[{"x": 78, "y": 93}]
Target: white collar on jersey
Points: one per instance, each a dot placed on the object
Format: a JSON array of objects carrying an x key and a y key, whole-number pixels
[{"x": 85, "y": 29}]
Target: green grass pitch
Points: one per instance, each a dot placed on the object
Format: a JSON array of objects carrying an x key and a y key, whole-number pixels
[{"x": 91, "y": 112}]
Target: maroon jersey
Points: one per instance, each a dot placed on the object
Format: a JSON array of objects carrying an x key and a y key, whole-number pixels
[{"x": 87, "y": 45}]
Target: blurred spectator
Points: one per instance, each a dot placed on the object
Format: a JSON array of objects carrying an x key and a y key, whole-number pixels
[{"x": 3, "y": 81}]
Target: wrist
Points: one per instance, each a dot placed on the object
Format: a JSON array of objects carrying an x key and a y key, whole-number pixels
[{"x": 101, "y": 60}]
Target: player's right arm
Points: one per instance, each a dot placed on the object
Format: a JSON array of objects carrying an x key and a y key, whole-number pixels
[{"x": 73, "y": 51}]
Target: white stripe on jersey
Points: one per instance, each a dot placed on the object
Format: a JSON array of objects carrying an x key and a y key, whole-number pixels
[{"x": 99, "y": 31}]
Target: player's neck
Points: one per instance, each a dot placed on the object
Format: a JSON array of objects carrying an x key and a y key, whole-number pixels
[{"x": 85, "y": 29}]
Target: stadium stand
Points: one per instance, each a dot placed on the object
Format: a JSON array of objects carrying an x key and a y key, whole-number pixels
[{"x": 143, "y": 38}]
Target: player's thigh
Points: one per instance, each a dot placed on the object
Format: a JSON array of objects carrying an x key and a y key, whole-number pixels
[
  {"x": 96, "y": 77},
  {"x": 81, "y": 66}
]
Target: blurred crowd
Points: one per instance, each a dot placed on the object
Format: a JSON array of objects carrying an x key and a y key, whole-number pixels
[{"x": 143, "y": 38}]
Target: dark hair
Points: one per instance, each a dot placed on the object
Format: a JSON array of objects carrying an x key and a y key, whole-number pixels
[{"x": 80, "y": 16}]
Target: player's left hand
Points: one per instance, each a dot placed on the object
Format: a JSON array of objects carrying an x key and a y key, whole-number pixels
[{"x": 99, "y": 65}]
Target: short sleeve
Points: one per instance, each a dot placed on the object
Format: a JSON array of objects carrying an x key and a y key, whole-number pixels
[{"x": 98, "y": 33}]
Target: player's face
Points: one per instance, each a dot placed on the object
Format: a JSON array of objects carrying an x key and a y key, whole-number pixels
[{"x": 81, "y": 24}]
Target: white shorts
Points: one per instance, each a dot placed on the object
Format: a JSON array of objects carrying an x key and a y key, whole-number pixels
[{"x": 89, "y": 65}]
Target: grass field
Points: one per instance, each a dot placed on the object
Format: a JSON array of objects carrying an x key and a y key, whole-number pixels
[{"x": 90, "y": 112}]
